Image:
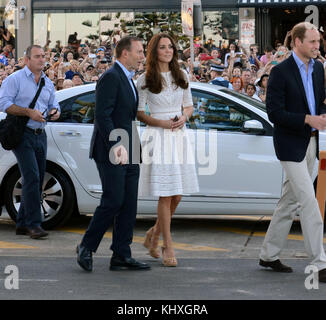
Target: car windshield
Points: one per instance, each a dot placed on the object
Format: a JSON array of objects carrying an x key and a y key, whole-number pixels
[{"x": 246, "y": 99}]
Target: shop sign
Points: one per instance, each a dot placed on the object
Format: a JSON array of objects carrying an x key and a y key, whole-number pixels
[
  {"x": 247, "y": 32},
  {"x": 187, "y": 18}
]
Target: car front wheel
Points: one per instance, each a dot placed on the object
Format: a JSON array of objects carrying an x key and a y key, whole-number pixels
[{"x": 57, "y": 199}]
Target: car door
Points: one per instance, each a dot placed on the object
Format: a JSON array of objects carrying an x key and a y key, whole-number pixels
[
  {"x": 72, "y": 134},
  {"x": 245, "y": 163}
]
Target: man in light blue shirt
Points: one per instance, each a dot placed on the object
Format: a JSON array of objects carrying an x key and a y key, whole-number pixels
[
  {"x": 16, "y": 94},
  {"x": 306, "y": 76},
  {"x": 295, "y": 105}
]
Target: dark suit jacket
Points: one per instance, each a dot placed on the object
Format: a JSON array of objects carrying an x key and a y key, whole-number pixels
[
  {"x": 287, "y": 106},
  {"x": 116, "y": 108}
]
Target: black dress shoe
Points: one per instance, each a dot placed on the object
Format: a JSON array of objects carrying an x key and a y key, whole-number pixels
[
  {"x": 84, "y": 258},
  {"x": 21, "y": 231},
  {"x": 322, "y": 275},
  {"x": 120, "y": 263},
  {"x": 276, "y": 265},
  {"x": 36, "y": 232}
]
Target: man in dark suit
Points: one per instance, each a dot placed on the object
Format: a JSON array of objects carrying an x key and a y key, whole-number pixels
[
  {"x": 295, "y": 104},
  {"x": 117, "y": 162}
]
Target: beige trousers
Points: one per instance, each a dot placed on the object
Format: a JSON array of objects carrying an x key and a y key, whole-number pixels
[{"x": 297, "y": 194}]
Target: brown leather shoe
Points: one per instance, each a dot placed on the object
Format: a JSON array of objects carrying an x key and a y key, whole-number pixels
[
  {"x": 276, "y": 265},
  {"x": 322, "y": 275},
  {"x": 36, "y": 232}
]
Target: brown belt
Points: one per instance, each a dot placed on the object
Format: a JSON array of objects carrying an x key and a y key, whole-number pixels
[{"x": 314, "y": 133}]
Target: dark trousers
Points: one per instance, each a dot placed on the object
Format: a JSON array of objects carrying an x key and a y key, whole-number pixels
[
  {"x": 118, "y": 206},
  {"x": 31, "y": 158}
]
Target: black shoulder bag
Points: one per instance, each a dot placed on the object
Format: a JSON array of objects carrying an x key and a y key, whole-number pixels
[{"x": 12, "y": 127}]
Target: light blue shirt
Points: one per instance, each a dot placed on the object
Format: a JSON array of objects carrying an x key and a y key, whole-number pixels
[
  {"x": 20, "y": 89},
  {"x": 129, "y": 75},
  {"x": 307, "y": 81}
]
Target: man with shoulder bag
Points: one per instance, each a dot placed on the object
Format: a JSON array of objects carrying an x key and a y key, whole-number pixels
[{"x": 29, "y": 95}]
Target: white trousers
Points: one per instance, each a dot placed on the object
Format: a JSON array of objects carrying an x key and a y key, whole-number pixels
[{"x": 297, "y": 191}]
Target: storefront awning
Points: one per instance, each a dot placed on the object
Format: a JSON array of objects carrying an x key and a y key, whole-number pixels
[
  {"x": 279, "y": 3},
  {"x": 122, "y": 5}
]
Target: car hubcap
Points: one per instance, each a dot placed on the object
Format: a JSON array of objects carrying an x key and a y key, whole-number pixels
[{"x": 51, "y": 197}]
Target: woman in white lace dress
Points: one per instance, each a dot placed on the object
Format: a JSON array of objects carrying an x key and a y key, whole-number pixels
[{"x": 168, "y": 169}]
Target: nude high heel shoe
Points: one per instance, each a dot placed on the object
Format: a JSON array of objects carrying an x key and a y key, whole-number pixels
[
  {"x": 151, "y": 243},
  {"x": 169, "y": 261},
  {"x": 148, "y": 238}
]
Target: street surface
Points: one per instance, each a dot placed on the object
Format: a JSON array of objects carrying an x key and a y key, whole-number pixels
[{"x": 218, "y": 260}]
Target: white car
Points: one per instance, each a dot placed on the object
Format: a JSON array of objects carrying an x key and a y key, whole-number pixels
[{"x": 233, "y": 146}]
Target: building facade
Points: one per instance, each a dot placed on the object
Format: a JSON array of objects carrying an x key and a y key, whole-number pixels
[
  {"x": 55, "y": 20},
  {"x": 274, "y": 18},
  {"x": 251, "y": 21}
]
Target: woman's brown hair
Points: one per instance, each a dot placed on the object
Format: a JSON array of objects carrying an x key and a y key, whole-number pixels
[{"x": 154, "y": 79}]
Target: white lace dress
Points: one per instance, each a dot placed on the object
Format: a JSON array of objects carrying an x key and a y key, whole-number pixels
[{"x": 168, "y": 163}]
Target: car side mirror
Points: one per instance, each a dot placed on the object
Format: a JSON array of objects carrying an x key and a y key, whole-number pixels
[{"x": 253, "y": 126}]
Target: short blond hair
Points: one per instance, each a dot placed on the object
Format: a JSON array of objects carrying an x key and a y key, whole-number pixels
[
  {"x": 299, "y": 30},
  {"x": 67, "y": 83}
]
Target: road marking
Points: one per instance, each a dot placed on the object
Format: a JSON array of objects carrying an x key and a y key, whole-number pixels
[
  {"x": 35, "y": 280},
  {"x": 184, "y": 246},
  {"x": 258, "y": 233},
  {"x": 176, "y": 245},
  {"x": 14, "y": 245}
]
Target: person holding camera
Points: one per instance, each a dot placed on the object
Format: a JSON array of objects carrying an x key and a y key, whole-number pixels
[
  {"x": 102, "y": 66},
  {"x": 168, "y": 168},
  {"x": 234, "y": 53},
  {"x": 253, "y": 56}
]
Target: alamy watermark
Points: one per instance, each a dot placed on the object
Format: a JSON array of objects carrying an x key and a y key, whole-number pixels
[
  {"x": 313, "y": 16},
  {"x": 312, "y": 281},
  {"x": 11, "y": 281},
  {"x": 166, "y": 147}
]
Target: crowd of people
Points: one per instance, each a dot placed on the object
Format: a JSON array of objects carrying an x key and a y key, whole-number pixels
[
  {"x": 236, "y": 68},
  {"x": 244, "y": 71}
]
